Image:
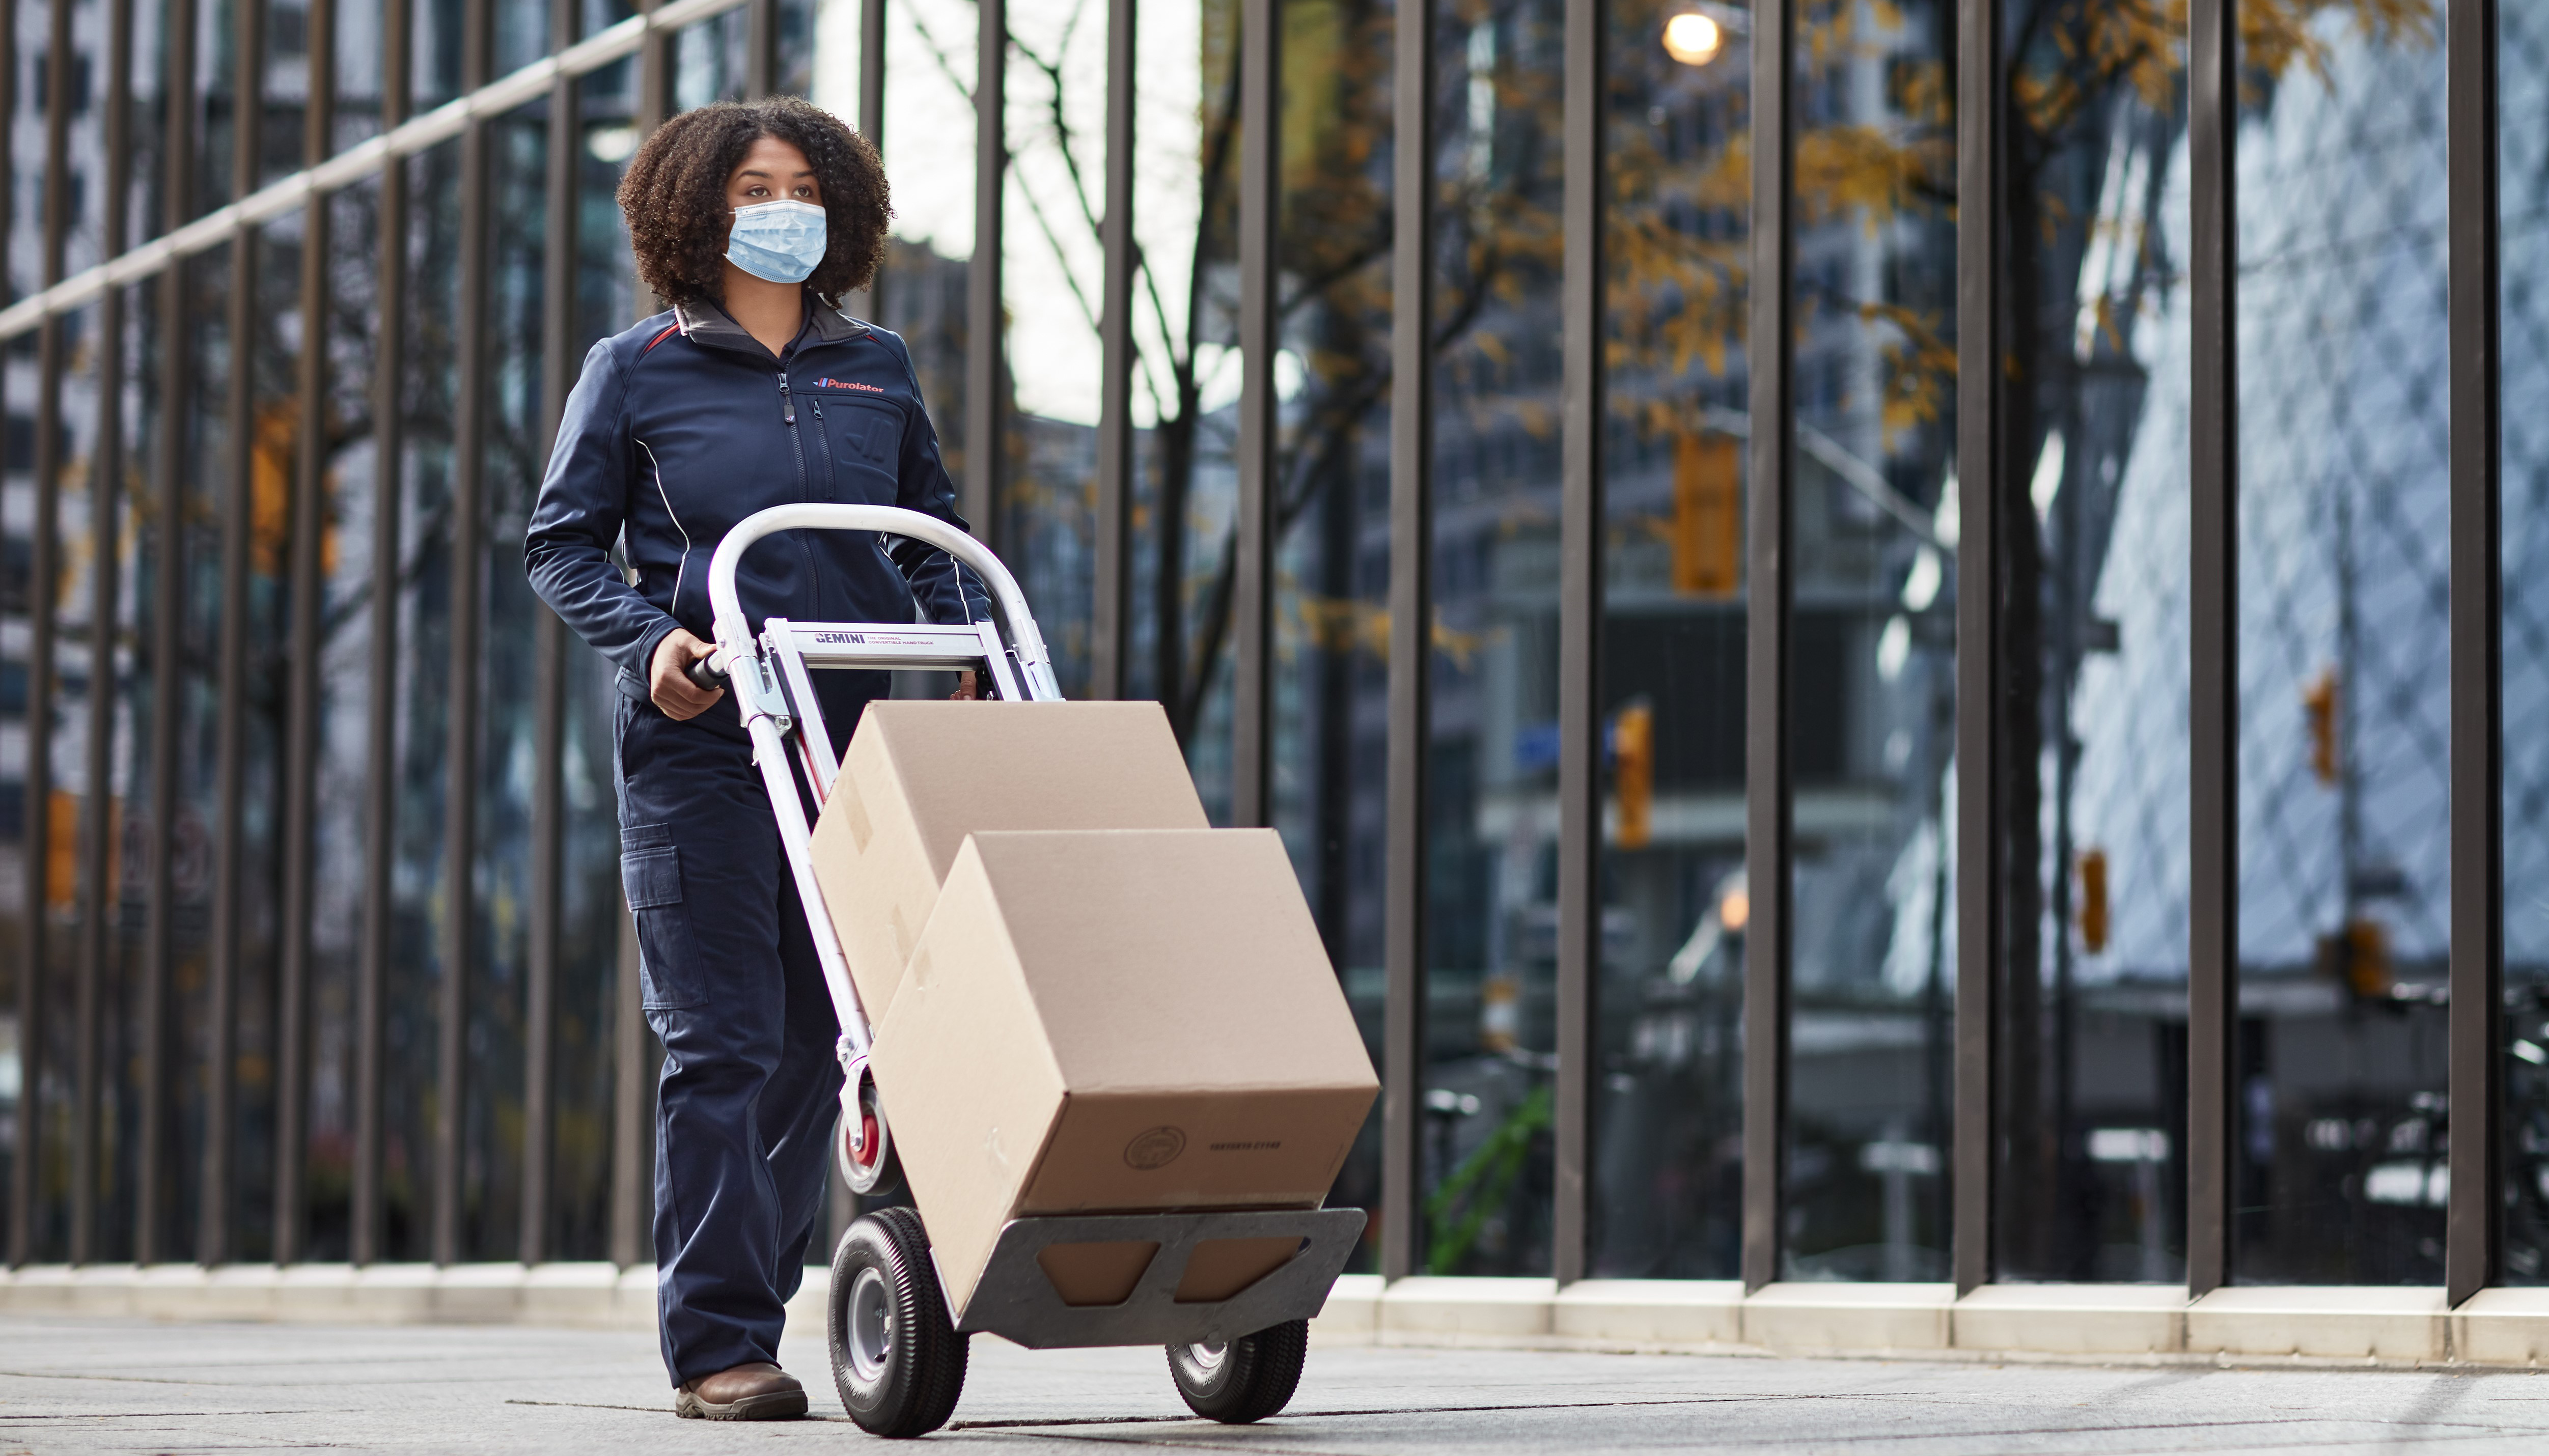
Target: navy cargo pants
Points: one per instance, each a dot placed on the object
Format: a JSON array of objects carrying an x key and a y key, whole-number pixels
[{"x": 750, "y": 1090}]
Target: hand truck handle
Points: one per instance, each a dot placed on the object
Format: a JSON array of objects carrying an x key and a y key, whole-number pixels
[
  {"x": 1009, "y": 604},
  {"x": 704, "y": 674}
]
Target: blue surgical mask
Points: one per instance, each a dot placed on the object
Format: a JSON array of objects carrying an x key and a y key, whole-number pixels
[{"x": 782, "y": 241}]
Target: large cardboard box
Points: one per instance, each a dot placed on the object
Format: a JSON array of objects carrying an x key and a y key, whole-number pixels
[
  {"x": 1117, "y": 1020},
  {"x": 919, "y": 777}
]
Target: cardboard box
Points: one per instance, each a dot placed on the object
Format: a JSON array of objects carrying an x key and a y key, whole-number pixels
[
  {"x": 919, "y": 777},
  {"x": 1122, "y": 1021}
]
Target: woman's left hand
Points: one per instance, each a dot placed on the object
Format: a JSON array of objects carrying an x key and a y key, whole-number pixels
[{"x": 965, "y": 691}]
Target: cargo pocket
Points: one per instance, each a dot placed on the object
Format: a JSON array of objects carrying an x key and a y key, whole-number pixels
[
  {"x": 865, "y": 439},
  {"x": 668, "y": 959}
]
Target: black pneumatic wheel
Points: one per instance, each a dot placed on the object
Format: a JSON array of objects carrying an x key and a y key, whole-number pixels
[
  {"x": 1247, "y": 1379},
  {"x": 896, "y": 1359}
]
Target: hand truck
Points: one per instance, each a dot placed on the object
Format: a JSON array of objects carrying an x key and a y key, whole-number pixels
[{"x": 898, "y": 1350}]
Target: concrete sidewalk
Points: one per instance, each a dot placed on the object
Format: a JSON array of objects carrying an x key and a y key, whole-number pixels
[{"x": 93, "y": 1386}]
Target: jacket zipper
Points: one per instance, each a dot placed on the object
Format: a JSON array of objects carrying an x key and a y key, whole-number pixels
[
  {"x": 787, "y": 415},
  {"x": 823, "y": 444}
]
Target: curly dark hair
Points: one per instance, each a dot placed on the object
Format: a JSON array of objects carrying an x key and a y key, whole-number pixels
[{"x": 674, "y": 196}]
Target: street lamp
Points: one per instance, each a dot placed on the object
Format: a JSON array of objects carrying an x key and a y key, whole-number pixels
[{"x": 1693, "y": 39}]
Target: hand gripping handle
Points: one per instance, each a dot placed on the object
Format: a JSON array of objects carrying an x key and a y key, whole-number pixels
[{"x": 704, "y": 674}]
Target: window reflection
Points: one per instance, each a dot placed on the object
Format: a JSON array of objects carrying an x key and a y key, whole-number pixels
[
  {"x": 712, "y": 61},
  {"x": 194, "y": 709},
  {"x": 75, "y": 699},
  {"x": 593, "y": 916},
  {"x": 422, "y": 668},
  {"x": 350, "y": 493},
  {"x": 510, "y": 456},
  {"x": 273, "y": 416},
  {"x": 1052, "y": 279},
  {"x": 2340, "y": 1147},
  {"x": 2093, "y": 1002},
  {"x": 358, "y": 60},
  {"x": 1332, "y": 476},
  {"x": 2343, "y": 693},
  {"x": 1667, "y": 1155},
  {"x": 928, "y": 149},
  {"x": 1871, "y": 651},
  {"x": 1492, "y": 759},
  {"x": 97, "y": 751}
]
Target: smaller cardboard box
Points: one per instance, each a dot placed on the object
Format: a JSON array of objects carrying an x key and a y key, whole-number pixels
[
  {"x": 919, "y": 777},
  {"x": 1126, "y": 1021}
]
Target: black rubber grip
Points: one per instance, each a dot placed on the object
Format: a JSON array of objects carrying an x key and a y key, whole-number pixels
[{"x": 703, "y": 676}]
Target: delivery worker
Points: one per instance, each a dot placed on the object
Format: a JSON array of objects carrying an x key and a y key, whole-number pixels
[{"x": 754, "y": 391}]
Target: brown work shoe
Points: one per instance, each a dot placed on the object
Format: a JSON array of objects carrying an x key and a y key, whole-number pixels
[{"x": 756, "y": 1391}]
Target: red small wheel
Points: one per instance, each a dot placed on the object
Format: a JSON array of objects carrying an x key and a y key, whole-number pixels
[{"x": 864, "y": 1147}]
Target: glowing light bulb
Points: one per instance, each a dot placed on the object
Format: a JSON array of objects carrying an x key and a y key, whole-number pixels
[
  {"x": 1735, "y": 910},
  {"x": 1693, "y": 39}
]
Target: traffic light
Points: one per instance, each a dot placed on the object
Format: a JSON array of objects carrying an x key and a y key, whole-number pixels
[
  {"x": 2319, "y": 707},
  {"x": 2357, "y": 956},
  {"x": 1708, "y": 516},
  {"x": 2093, "y": 900},
  {"x": 1632, "y": 773},
  {"x": 61, "y": 849}
]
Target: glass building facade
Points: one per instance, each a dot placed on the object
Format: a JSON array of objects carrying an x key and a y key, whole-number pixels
[{"x": 1892, "y": 637}]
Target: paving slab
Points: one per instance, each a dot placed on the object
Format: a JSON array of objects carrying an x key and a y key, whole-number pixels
[{"x": 71, "y": 1385}]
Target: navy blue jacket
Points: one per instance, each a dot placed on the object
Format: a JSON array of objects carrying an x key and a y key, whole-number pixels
[{"x": 683, "y": 426}]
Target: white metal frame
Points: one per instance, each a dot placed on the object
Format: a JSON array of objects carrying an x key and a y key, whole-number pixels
[{"x": 770, "y": 678}]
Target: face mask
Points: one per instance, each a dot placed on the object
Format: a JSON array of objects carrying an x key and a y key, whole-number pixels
[{"x": 781, "y": 241}]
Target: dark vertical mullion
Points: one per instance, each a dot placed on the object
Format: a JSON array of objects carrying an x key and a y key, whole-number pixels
[
  {"x": 467, "y": 663},
  {"x": 1252, "y": 618},
  {"x": 31, "y": 815},
  {"x": 96, "y": 829},
  {"x": 41, "y": 680},
  {"x": 220, "y": 1103},
  {"x": 654, "y": 73},
  {"x": 8, "y": 128},
  {"x": 1580, "y": 630},
  {"x": 105, "y": 501},
  {"x": 37, "y": 793},
  {"x": 167, "y": 633},
  {"x": 309, "y": 606},
  {"x": 628, "y": 1107},
  {"x": 2213, "y": 721},
  {"x": 380, "y": 747},
  {"x": 2471, "y": 1244},
  {"x": 1111, "y": 619},
  {"x": 871, "y": 71},
  {"x": 628, "y": 1114},
  {"x": 983, "y": 365},
  {"x": 1980, "y": 462},
  {"x": 1771, "y": 351},
  {"x": 1411, "y": 611},
  {"x": 549, "y": 647},
  {"x": 871, "y": 118},
  {"x": 44, "y": 565},
  {"x": 761, "y": 47}
]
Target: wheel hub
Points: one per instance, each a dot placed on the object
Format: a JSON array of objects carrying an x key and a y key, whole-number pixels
[
  {"x": 1209, "y": 1354},
  {"x": 870, "y": 1324}
]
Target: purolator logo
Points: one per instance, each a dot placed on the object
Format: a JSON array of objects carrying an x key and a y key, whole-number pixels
[{"x": 1155, "y": 1148}]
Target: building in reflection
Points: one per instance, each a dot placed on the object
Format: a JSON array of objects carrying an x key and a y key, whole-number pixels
[{"x": 2342, "y": 700}]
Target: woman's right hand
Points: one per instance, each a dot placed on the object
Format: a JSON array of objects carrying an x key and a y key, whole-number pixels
[{"x": 671, "y": 689}]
